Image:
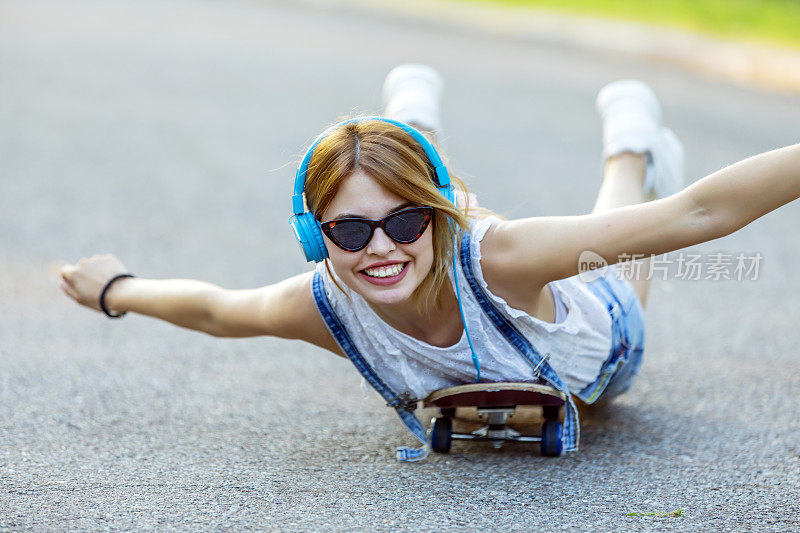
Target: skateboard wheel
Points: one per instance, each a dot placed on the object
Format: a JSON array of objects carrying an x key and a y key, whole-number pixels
[
  {"x": 441, "y": 434},
  {"x": 551, "y": 438}
]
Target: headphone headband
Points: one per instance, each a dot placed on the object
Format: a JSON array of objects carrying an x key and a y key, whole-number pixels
[
  {"x": 441, "y": 175},
  {"x": 306, "y": 227}
]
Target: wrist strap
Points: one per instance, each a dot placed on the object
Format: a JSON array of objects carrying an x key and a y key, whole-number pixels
[{"x": 105, "y": 289}]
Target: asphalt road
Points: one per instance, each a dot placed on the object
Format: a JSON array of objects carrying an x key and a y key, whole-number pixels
[{"x": 167, "y": 133}]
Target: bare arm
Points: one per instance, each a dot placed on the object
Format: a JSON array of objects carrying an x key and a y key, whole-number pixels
[
  {"x": 285, "y": 309},
  {"x": 183, "y": 302},
  {"x": 540, "y": 250},
  {"x": 739, "y": 194}
]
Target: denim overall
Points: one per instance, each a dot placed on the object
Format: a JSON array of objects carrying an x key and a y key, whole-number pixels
[
  {"x": 610, "y": 379},
  {"x": 627, "y": 338}
]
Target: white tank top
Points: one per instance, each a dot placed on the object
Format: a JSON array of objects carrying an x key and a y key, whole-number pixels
[{"x": 578, "y": 344}]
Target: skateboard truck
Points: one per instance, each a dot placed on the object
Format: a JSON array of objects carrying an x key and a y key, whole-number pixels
[{"x": 496, "y": 403}]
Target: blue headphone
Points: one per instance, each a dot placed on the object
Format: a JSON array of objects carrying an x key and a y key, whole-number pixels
[{"x": 307, "y": 228}]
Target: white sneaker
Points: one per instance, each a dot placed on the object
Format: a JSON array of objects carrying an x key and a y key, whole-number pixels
[
  {"x": 412, "y": 94},
  {"x": 669, "y": 166},
  {"x": 632, "y": 123}
]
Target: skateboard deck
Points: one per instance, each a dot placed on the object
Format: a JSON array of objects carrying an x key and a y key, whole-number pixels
[{"x": 496, "y": 403}]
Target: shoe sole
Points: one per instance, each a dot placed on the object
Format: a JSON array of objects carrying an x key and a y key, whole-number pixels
[
  {"x": 412, "y": 94},
  {"x": 625, "y": 89},
  {"x": 671, "y": 172}
]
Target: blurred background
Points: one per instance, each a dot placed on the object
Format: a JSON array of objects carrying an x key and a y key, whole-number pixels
[
  {"x": 757, "y": 21},
  {"x": 167, "y": 133}
]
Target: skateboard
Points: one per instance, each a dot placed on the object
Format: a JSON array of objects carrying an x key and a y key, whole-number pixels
[{"x": 496, "y": 402}]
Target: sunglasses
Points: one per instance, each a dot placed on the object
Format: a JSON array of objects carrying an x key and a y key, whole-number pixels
[{"x": 353, "y": 234}]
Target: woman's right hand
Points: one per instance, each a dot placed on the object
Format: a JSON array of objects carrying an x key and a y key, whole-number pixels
[{"x": 84, "y": 281}]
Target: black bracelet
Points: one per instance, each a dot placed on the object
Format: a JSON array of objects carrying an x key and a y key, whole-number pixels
[{"x": 105, "y": 289}]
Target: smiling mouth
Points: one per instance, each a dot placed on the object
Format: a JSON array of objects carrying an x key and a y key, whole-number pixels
[{"x": 388, "y": 271}]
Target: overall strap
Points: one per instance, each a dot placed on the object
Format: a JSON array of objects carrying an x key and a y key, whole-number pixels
[
  {"x": 402, "y": 405},
  {"x": 571, "y": 434}
]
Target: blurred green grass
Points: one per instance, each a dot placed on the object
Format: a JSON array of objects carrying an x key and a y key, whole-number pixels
[{"x": 764, "y": 21}]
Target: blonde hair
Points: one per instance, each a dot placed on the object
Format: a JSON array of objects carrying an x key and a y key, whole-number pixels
[{"x": 394, "y": 159}]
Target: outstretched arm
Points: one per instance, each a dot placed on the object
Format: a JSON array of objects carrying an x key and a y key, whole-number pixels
[
  {"x": 540, "y": 250},
  {"x": 285, "y": 309},
  {"x": 739, "y": 194}
]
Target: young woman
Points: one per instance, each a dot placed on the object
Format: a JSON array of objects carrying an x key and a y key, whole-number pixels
[{"x": 422, "y": 294}]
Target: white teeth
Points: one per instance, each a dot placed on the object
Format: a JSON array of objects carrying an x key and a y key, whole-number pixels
[{"x": 385, "y": 271}]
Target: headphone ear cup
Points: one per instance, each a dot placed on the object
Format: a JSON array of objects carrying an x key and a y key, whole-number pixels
[{"x": 309, "y": 236}]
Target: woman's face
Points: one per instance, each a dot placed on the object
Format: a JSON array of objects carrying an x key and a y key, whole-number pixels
[{"x": 371, "y": 271}]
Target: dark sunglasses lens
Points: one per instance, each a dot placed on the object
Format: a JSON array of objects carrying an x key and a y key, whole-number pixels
[
  {"x": 350, "y": 234},
  {"x": 406, "y": 227}
]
